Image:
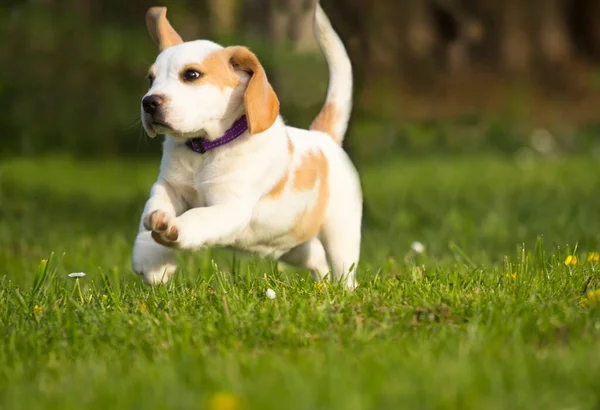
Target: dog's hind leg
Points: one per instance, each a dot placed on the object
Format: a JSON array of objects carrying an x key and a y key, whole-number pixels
[
  {"x": 341, "y": 238},
  {"x": 309, "y": 255}
]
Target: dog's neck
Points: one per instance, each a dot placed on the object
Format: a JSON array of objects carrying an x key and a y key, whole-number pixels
[{"x": 200, "y": 145}]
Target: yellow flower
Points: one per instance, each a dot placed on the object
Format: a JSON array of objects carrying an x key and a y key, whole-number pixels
[
  {"x": 590, "y": 300},
  {"x": 571, "y": 260},
  {"x": 593, "y": 257},
  {"x": 38, "y": 310},
  {"x": 320, "y": 287},
  {"x": 512, "y": 276},
  {"x": 143, "y": 308},
  {"x": 224, "y": 401}
]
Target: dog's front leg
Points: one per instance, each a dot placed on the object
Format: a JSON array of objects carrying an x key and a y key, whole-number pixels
[
  {"x": 216, "y": 225},
  {"x": 154, "y": 262}
]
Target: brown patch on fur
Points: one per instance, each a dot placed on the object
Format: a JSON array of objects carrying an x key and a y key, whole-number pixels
[
  {"x": 314, "y": 167},
  {"x": 262, "y": 105},
  {"x": 326, "y": 121},
  {"x": 216, "y": 69},
  {"x": 307, "y": 173},
  {"x": 160, "y": 29},
  {"x": 280, "y": 186}
]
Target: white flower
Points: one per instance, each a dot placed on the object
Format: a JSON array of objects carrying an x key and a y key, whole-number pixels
[
  {"x": 270, "y": 293},
  {"x": 542, "y": 141},
  {"x": 76, "y": 275},
  {"x": 418, "y": 247}
]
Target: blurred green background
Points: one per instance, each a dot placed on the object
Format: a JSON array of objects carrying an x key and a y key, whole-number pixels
[
  {"x": 436, "y": 76},
  {"x": 475, "y": 131}
]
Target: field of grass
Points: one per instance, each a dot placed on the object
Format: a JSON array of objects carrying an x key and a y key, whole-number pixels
[{"x": 488, "y": 317}]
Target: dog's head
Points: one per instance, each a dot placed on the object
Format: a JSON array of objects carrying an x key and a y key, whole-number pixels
[{"x": 199, "y": 88}]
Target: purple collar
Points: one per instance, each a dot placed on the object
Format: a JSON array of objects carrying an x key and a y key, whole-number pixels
[{"x": 201, "y": 145}]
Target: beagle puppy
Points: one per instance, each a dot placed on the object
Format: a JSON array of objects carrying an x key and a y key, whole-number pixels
[{"x": 233, "y": 174}]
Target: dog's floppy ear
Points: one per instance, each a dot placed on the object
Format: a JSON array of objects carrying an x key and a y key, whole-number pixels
[
  {"x": 262, "y": 105},
  {"x": 160, "y": 29}
]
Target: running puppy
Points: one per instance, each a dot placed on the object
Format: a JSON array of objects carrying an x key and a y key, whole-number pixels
[{"x": 233, "y": 174}]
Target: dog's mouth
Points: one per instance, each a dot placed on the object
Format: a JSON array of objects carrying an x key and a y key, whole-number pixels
[
  {"x": 155, "y": 126},
  {"x": 160, "y": 124}
]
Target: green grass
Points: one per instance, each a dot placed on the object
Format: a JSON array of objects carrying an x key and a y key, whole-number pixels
[{"x": 451, "y": 328}]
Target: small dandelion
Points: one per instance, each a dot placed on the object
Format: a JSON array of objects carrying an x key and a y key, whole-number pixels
[
  {"x": 38, "y": 310},
  {"x": 593, "y": 257},
  {"x": 590, "y": 300},
  {"x": 512, "y": 276},
  {"x": 224, "y": 401},
  {"x": 417, "y": 247},
  {"x": 571, "y": 260},
  {"x": 143, "y": 308},
  {"x": 76, "y": 276},
  {"x": 320, "y": 287},
  {"x": 270, "y": 293}
]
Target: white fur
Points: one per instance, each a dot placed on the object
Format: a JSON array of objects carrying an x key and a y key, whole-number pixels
[
  {"x": 219, "y": 199},
  {"x": 340, "y": 70}
]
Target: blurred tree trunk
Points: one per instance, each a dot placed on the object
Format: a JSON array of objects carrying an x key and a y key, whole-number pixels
[
  {"x": 458, "y": 31},
  {"x": 555, "y": 47},
  {"x": 555, "y": 44},
  {"x": 302, "y": 25},
  {"x": 417, "y": 51},
  {"x": 292, "y": 20},
  {"x": 257, "y": 20},
  {"x": 279, "y": 21},
  {"x": 80, "y": 6},
  {"x": 593, "y": 22},
  {"x": 515, "y": 47},
  {"x": 223, "y": 18}
]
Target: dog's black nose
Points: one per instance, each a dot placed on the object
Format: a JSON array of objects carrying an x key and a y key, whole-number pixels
[{"x": 151, "y": 103}]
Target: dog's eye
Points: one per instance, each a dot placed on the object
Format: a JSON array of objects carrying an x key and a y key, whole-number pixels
[
  {"x": 191, "y": 75},
  {"x": 150, "y": 80}
]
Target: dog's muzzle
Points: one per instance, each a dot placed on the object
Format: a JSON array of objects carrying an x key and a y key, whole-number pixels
[{"x": 154, "y": 114}]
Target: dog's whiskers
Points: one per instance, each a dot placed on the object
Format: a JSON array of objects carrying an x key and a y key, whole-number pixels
[{"x": 137, "y": 122}]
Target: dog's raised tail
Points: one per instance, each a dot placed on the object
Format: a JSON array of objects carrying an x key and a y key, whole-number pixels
[{"x": 335, "y": 114}]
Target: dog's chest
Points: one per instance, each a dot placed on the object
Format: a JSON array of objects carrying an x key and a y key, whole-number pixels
[{"x": 192, "y": 176}]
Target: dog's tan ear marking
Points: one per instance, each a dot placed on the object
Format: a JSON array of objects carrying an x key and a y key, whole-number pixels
[
  {"x": 160, "y": 29},
  {"x": 262, "y": 105}
]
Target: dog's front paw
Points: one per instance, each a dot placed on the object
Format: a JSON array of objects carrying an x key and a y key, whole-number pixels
[
  {"x": 164, "y": 230},
  {"x": 156, "y": 221},
  {"x": 155, "y": 263}
]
